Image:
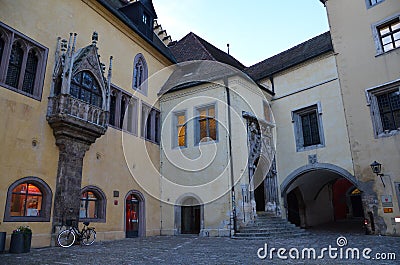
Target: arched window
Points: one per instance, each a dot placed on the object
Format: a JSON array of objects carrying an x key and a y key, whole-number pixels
[
  {"x": 30, "y": 72},
  {"x": 85, "y": 87},
  {"x": 28, "y": 199},
  {"x": 93, "y": 205},
  {"x": 140, "y": 74},
  {"x": 14, "y": 65}
]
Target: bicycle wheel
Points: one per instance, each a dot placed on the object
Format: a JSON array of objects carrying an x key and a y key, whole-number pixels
[
  {"x": 88, "y": 237},
  {"x": 66, "y": 238}
]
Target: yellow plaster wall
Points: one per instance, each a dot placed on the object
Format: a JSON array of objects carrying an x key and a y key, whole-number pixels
[{"x": 25, "y": 118}]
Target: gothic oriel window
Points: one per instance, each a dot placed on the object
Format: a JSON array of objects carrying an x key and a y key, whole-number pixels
[
  {"x": 93, "y": 205},
  {"x": 28, "y": 199},
  {"x": 22, "y": 63},
  {"x": 206, "y": 124},
  {"x": 85, "y": 87},
  {"x": 140, "y": 74}
]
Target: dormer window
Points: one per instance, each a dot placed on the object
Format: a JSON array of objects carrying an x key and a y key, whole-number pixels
[{"x": 145, "y": 18}]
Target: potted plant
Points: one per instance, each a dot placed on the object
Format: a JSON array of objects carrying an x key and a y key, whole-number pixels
[{"x": 21, "y": 239}]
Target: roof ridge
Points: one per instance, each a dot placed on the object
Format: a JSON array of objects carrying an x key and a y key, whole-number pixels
[
  {"x": 204, "y": 48},
  {"x": 218, "y": 50},
  {"x": 290, "y": 49}
]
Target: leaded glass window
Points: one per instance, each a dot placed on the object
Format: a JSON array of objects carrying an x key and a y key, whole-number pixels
[
  {"x": 14, "y": 65},
  {"x": 85, "y": 87}
]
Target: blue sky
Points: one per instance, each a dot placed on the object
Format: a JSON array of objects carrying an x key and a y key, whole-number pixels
[{"x": 255, "y": 29}]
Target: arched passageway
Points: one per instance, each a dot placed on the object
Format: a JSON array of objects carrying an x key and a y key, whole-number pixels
[{"x": 323, "y": 197}]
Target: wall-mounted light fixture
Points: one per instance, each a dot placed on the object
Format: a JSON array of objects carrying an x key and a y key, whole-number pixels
[{"x": 377, "y": 169}]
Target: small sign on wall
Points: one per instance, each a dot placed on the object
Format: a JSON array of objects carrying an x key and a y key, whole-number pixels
[
  {"x": 387, "y": 201},
  {"x": 388, "y": 210}
]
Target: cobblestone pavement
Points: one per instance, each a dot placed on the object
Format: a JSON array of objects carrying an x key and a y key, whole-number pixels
[{"x": 202, "y": 250}]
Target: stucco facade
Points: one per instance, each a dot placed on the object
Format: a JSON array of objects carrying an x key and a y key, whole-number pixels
[
  {"x": 115, "y": 163},
  {"x": 364, "y": 67}
]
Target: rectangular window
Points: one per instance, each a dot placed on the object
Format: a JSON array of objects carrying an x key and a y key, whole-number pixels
[
  {"x": 308, "y": 128},
  {"x": 385, "y": 108},
  {"x": 22, "y": 63},
  {"x": 373, "y": 2},
  {"x": 180, "y": 130},
  {"x": 206, "y": 125},
  {"x": 387, "y": 34},
  {"x": 150, "y": 126}
]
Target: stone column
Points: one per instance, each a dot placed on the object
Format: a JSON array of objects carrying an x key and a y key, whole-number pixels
[{"x": 69, "y": 179}]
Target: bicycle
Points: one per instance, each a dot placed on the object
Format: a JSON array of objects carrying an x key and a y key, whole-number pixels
[{"x": 67, "y": 237}]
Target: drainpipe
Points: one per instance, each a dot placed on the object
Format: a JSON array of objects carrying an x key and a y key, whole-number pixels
[{"x": 228, "y": 101}]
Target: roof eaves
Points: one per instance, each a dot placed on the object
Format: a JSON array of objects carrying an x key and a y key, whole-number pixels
[{"x": 127, "y": 22}]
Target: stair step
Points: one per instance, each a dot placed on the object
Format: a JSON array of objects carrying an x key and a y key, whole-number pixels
[{"x": 268, "y": 226}]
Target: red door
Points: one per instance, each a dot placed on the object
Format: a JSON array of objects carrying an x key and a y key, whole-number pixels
[{"x": 132, "y": 216}]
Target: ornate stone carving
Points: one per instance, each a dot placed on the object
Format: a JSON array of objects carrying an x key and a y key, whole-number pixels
[{"x": 76, "y": 124}]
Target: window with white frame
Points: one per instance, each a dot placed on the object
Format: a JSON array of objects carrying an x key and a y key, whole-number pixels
[
  {"x": 22, "y": 63},
  {"x": 206, "y": 125},
  {"x": 308, "y": 128},
  {"x": 385, "y": 108},
  {"x": 140, "y": 74},
  {"x": 150, "y": 125},
  {"x": 180, "y": 130},
  {"x": 387, "y": 34}
]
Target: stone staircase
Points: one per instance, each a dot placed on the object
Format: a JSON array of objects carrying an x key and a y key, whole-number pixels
[{"x": 267, "y": 226}]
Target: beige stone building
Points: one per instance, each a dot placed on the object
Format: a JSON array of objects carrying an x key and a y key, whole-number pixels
[
  {"x": 103, "y": 125},
  {"x": 368, "y": 63}
]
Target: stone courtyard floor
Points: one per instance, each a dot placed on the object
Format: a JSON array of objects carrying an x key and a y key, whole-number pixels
[{"x": 203, "y": 250}]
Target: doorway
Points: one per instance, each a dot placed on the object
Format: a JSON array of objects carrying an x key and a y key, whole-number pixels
[
  {"x": 190, "y": 219},
  {"x": 259, "y": 195},
  {"x": 134, "y": 215}
]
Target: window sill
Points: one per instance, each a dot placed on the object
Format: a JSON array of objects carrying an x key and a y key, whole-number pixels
[
  {"x": 92, "y": 220},
  {"x": 38, "y": 98},
  {"x": 311, "y": 147},
  {"x": 207, "y": 143},
  {"x": 384, "y": 53},
  {"x": 388, "y": 133},
  {"x": 26, "y": 219}
]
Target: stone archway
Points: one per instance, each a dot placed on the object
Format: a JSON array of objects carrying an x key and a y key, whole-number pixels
[{"x": 316, "y": 195}]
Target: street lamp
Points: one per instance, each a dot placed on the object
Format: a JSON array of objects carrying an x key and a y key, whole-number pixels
[{"x": 376, "y": 168}]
